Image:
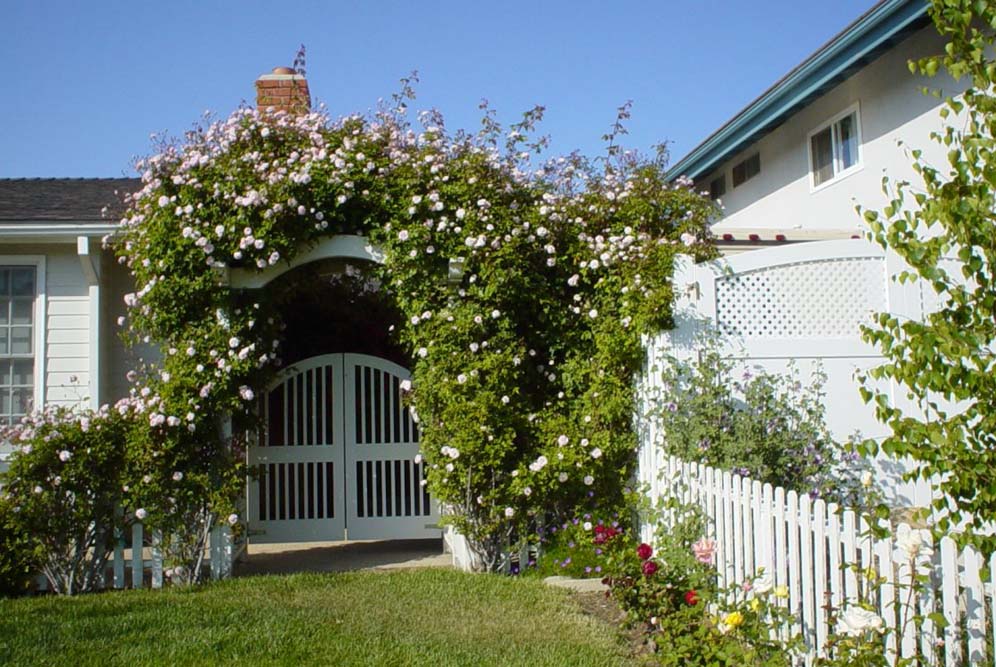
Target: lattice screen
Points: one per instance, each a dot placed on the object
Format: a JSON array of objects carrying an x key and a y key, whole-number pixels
[{"x": 819, "y": 299}]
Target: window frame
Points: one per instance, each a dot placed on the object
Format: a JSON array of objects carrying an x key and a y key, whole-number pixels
[
  {"x": 838, "y": 175},
  {"x": 40, "y": 324}
]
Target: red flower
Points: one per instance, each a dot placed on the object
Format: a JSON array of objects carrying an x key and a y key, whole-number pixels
[
  {"x": 649, "y": 567},
  {"x": 691, "y": 598},
  {"x": 644, "y": 551}
]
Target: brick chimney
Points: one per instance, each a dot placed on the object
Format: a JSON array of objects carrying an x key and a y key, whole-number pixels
[{"x": 283, "y": 90}]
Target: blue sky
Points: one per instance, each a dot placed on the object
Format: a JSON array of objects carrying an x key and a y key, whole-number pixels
[{"x": 87, "y": 82}]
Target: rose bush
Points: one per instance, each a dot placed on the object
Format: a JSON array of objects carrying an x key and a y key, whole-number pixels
[{"x": 523, "y": 372}]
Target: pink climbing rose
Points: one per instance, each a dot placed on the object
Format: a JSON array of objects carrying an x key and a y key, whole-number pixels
[{"x": 703, "y": 550}]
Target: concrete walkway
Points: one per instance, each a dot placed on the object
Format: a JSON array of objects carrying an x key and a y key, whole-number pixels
[{"x": 341, "y": 556}]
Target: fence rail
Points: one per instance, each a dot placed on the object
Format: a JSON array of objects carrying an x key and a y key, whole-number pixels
[{"x": 809, "y": 546}]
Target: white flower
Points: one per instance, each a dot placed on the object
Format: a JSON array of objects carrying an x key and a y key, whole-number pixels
[
  {"x": 423, "y": 352},
  {"x": 233, "y": 342},
  {"x": 509, "y": 512},
  {"x": 596, "y": 453},
  {"x": 418, "y": 459},
  {"x": 505, "y": 400},
  {"x": 589, "y": 480},
  {"x": 688, "y": 239},
  {"x": 461, "y": 378},
  {"x": 65, "y": 455},
  {"x": 527, "y": 491},
  {"x": 38, "y": 489},
  {"x": 538, "y": 464},
  {"x": 856, "y": 620},
  {"x": 762, "y": 585},
  {"x": 866, "y": 479},
  {"x": 912, "y": 544},
  {"x": 593, "y": 313},
  {"x": 403, "y": 235},
  {"x": 562, "y": 477},
  {"x": 562, "y": 440},
  {"x": 573, "y": 280},
  {"x": 449, "y": 467},
  {"x": 460, "y": 213},
  {"x": 406, "y": 385},
  {"x": 177, "y": 476},
  {"x": 246, "y": 393},
  {"x": 140, "y": 514},
  {"x": 495, "y": 314},
  {"x": 233, "y": 519},
  {"x": 586, "y": 525}
]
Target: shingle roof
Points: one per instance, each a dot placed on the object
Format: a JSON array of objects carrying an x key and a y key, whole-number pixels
[{"x": 38, "y": 200}]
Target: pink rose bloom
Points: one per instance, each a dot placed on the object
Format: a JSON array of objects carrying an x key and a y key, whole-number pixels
[{"x": 703, "y": 550}]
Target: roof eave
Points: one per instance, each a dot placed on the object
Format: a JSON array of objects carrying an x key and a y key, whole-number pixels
[
  {"x": 864, "y": 36},
  {"x": 30, "y": 230}
]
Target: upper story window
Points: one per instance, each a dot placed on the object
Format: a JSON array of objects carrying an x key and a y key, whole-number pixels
[
  {"x": 717, "y": 187},
  {"x": 835, "y": 148},
  {"x": 746, "y": 169},
  {"x": 17, "y": 342}
]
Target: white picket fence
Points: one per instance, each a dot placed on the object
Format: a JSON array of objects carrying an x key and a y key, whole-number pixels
[
  {"x": 137, "y": 561},
  {"x": 808, "y": 545}
]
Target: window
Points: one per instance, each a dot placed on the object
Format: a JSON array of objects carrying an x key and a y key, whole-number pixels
[
  {"x": 746, "y": 170},
  {"x": 717, "y": 187},
  {"x": 17, "y": 342},
  {"x": 834, "y": 149}
]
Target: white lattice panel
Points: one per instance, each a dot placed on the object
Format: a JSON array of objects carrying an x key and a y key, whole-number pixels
[{"x": 818, "y": 299}]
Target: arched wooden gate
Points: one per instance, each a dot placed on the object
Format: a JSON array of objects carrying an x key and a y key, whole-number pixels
[{"x": 336, "y": 457}]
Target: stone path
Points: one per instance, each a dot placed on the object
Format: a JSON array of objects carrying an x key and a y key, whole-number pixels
[{"x": 341, "y": 556}]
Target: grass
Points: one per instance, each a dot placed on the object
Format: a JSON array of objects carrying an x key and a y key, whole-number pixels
[{"x": 416, "y": 617}]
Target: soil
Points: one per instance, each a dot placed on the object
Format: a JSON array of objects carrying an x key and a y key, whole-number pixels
[{"x": 605, "y": 610}]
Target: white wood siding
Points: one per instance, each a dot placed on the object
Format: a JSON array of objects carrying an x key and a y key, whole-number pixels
[{"x": 67, "y": 329}]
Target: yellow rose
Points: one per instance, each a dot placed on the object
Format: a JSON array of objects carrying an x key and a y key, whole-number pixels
[
  {"x": 734, "y": 619},
  {"x": 781, "y": 592},
  {"x": 754, "y": 604}
]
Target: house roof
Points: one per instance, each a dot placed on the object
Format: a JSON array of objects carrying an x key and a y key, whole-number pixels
[
  {"x": 876, "y": 30},
  {"x": 59, "y": 201}
]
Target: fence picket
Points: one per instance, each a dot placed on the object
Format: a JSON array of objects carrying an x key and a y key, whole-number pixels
[
  {"x": 737, "y": 534},
  {"x": 137, "y": 560},
  {"x": 792, "y": 559},
  {"x": 887, "y": 603},
  {"x": 820, "y": 590},
  {"x": 765, "y": 542},
  {"x": 975, "y": 606},
  {"x": 780, "y": 568},
  {"x": 850, "y": 541},
  {"x": 949, "y": 602},
  {"x": 834, "y": 571},
  {"x": 808, "y": 593}
]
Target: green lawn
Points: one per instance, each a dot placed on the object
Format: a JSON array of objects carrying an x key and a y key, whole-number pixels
[{"x": 417, "y": 617}]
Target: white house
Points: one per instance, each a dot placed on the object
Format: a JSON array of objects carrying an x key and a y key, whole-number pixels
[
  {"x": 788, "y": 171},
  {"x": 794, "y": 163},
  {"x": 60, "y": 294}
]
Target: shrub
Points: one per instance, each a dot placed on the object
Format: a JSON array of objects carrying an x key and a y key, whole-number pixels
[
  {"x": 61, "y": 492},
  {"x": 670, "y": 591},
  {"x": 19, "y": 557},
  {"x": 766, "y": 426}
]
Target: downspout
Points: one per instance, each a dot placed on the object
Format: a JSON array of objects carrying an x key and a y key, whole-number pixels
[{"x": 90, "y": 263}]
